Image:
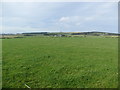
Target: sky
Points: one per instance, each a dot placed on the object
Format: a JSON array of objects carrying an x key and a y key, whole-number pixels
[{"x": 19, "y": 17}]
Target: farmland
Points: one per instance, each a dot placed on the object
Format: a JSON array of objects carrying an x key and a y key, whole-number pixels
[{"x": 60, "y": 62}]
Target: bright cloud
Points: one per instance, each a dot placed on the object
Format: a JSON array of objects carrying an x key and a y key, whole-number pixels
[{"x": 64, "y": 19}]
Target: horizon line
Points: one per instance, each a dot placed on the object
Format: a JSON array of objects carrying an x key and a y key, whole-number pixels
[{"x": 61, "y": 32}]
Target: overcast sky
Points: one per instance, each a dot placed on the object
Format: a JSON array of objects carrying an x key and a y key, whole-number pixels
[{"x": 59, "y": 16}]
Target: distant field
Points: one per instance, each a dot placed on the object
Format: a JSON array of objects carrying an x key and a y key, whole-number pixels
[{"x": 60, "y": 62}]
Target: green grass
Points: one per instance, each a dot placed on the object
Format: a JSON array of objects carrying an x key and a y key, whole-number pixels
[
  {"x": 60, "y": 62},
  {"x": 0, "y": 63}
]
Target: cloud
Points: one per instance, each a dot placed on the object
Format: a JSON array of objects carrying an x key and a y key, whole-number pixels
[
  {"x": 64, "y": 19},
  {"x": 102, "y": 10},
  {"x": 89, "y": 18},
  {"x": 22, "y": 17},
  {"x": 1, "y": 21},
  {"x": 78, "y": 24},
  {"x": 71, "y": 19},
  {"x": 13, "y": 29},
  {"x": 60, "y": 0}
]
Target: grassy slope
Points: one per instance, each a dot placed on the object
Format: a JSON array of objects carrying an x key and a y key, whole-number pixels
[{"x": 60, "y": 62}]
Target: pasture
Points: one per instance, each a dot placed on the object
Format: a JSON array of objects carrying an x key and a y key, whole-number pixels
[{"x": 60, "y": 62}]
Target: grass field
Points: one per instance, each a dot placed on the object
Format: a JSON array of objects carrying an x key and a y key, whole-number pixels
[{"x": 60, "y": 62}]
